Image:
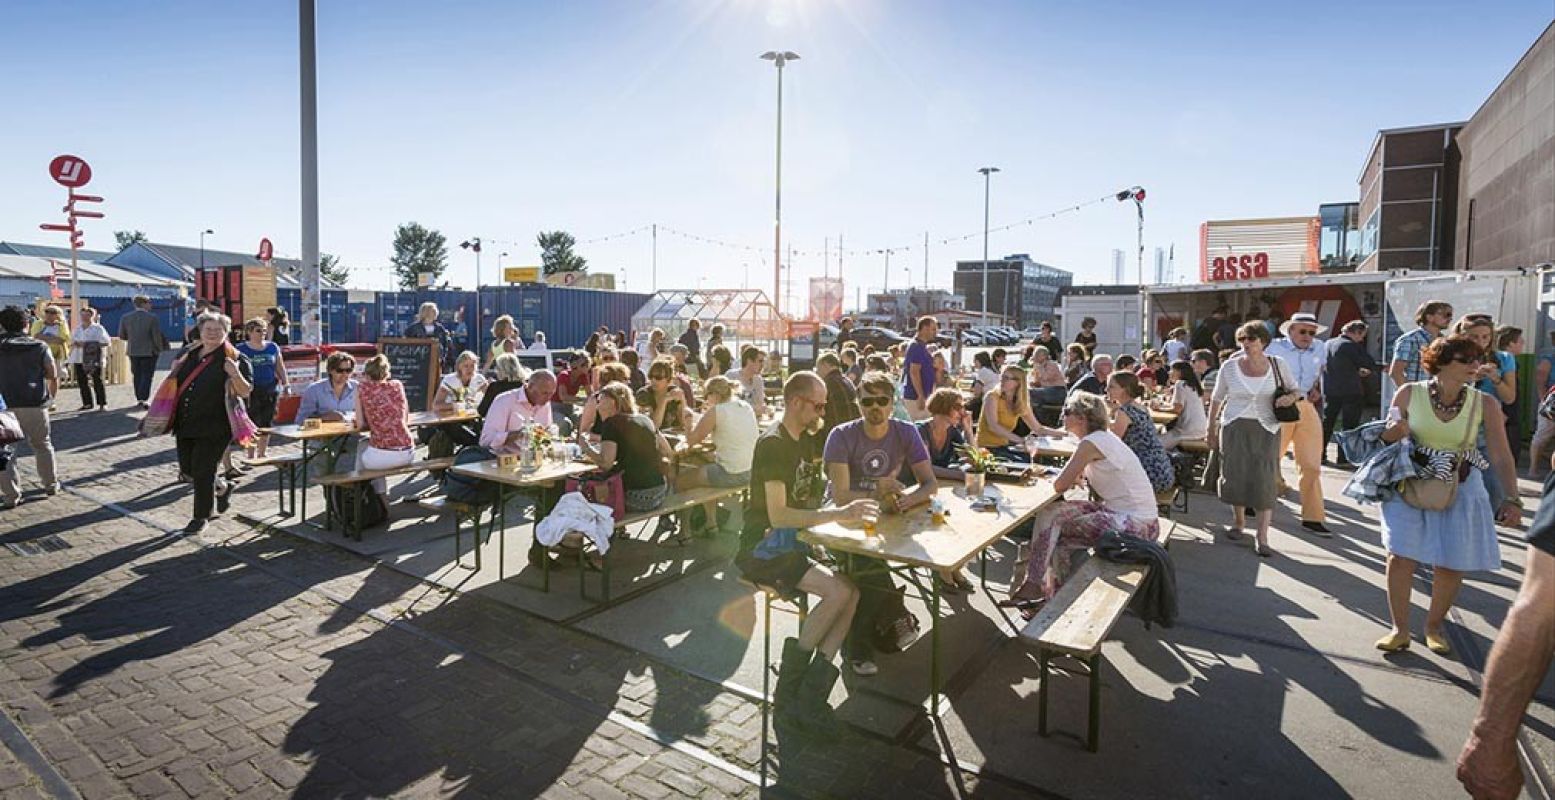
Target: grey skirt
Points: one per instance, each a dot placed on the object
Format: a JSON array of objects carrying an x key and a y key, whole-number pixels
[{"x": 1249, "y": 458}]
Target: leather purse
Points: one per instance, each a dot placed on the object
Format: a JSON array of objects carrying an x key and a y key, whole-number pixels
[
  {"x": 1435, "y": 494},
  {"x": 1290, "y": 413}
]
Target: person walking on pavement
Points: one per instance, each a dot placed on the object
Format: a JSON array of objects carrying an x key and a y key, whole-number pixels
[
  {"x": 1305, "y": 356},
  {"x": 919, "y": 370},
  {"x": 144, "y": 340},
  {"x": 28, "y": 382},
  {"x": 207, "y": 371},
  {"x": 1433, "y": 317},
  {"x": 88, "y": 353},
  {"x": 1488, "y": 766},
  {"x": 1345, "y": 372}
]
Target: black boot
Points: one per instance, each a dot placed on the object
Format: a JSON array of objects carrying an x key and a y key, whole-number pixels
[
  {"x": 787, "y": 705},
  {"x": 820, "y": 720}
]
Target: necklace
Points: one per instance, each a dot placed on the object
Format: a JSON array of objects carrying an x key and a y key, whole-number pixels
[{"x": 1450, "y": 409}]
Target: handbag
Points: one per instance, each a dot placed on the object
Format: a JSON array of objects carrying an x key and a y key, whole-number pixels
[
  {"x": 1434, "y": 494},
  {"x": 606, "y": 489},
  {"x": 10, "y": 429},
  {"x": 164, "y": 404},
  {"x": 244, "y": 431},
  {"x": 1288, "y": 413}
]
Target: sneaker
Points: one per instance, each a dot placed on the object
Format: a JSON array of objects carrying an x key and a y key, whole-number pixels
[
  {"x": 87, "y": 407},
  {"x": 143, "y": 406},
  {"x": 52, "y": 490},
  {"x": 864, "y": 668},
  {"x": 10, "y": 504},
  {"x": 906, "y": 634},
  {"x": 224, "y": 499},
  {"x": 195, "y": 526}
]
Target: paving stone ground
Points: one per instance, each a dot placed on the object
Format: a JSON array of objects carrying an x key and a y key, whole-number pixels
[{"x": 143, "y": 663}]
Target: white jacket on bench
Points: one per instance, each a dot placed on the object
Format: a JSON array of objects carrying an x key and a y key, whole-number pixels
[{"x": 574, "y": 513}]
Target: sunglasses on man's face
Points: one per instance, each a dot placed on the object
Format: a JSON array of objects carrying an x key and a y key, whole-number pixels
[
  {"x": 343, "y": 370},
  {"x": 874, "y": 402}
]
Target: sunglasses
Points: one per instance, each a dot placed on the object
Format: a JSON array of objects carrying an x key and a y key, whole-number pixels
[
  {"x": 874, "y": 402},
  {"x": 1247, "y": 338},
  {"x": 1303, "y": 331},
  {"x": 343, "y": 370}
]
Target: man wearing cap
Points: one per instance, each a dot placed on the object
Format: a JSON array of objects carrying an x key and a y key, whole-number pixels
[
  {"x": 1345, "y": 372},
  {"x": 1305, "y": 357}
]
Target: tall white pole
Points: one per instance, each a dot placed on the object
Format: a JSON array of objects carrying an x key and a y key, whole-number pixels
[
  {"x": 1144, "y": 313},
  {"x": 987, "y": 182},
  {"x": 777, "y": 212},
  {"x": 312, "y": 295}
]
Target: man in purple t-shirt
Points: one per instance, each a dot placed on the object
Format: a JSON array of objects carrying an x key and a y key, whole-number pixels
[
  {"x": 863, "y": 459},
  {"x": 920, "y": 368}
]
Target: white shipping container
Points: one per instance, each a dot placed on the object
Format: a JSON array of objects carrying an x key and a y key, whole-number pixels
[{"x": 1116, "y": 315}]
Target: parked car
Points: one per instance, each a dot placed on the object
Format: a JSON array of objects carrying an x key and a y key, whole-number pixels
[
  {"x": 1030, "y": 333},
  {"x": 827, "y": 336},
  {"x": 971, "y": 338},
  {"x": 881, "y": 338}
]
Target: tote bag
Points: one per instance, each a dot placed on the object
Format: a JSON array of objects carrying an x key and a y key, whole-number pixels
[{"x": 159, "y": 419}]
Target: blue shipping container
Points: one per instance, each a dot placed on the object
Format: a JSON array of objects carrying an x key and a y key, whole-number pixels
[
  {"x": 172, "y": 312},
  {"x": 567, "y": 315},
  {"x": 333, "y": 314}
]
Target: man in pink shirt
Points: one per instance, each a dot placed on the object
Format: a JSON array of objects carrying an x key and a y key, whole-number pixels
[{"x": 514, "y": 409}]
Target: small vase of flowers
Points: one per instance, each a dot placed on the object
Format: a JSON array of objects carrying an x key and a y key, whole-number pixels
[{"x": 978, "y": 461}]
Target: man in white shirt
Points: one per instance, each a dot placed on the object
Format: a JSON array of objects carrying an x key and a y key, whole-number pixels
[
  {"x": 753, "y": 360},
  {"x": 1305, "y": 356},
  {"x": 1176, "y": 346},
  {"x": 514, "y": 409}
]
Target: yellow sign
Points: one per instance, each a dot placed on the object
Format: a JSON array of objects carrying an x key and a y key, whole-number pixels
[{"x": 521, "y": 274}]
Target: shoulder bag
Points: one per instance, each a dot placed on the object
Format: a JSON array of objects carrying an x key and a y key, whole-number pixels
[
  {"x": 1288, "y": 413},
  {"x": 164, "y": 404},
  {"x": 1434, "y": 494}
]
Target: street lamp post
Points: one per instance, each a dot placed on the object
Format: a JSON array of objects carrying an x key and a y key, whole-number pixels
[
  {"x": 202, "y": 247},
  {"x": 987, "y": 181},
  {"x": 778, "y": 58}
]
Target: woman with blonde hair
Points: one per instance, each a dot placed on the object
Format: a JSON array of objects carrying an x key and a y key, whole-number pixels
[
  {"x": 504, "y": 339},
  {"x": 427, "y": 326},
  {"x": 1125, "y": 502},
  {"x": 1005, "y": 407},
  {"x": 464, "y": 384},
  {"x": 662, "y": 398},
  {"x": 207, "y": 371},
  {"x": 731, "y": 423},
  {"x": 382, "y": 411}
]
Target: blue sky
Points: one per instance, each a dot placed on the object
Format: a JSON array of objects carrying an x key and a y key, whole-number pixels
[{"x": 503, "y": 119}]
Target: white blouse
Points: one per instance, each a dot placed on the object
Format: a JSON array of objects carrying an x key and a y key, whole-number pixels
[
  {"x": 1193, "y": 423},
  {"x": 1119, "y": 479},
  {"x": 91, "y": 333},
  {"x": 1246, "y": 397}
]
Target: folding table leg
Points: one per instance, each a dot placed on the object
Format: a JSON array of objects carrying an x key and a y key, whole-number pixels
[
  {"x": 1042, "y": 689},
  {"x": 1093, "y": 724}
]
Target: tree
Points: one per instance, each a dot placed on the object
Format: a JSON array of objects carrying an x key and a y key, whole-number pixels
[
  {"x": 418, "y": 250},
  {"x": 127, "y": 238},
  {"x": 332, "y": 270},
  {"x": 556, "y": 253}
]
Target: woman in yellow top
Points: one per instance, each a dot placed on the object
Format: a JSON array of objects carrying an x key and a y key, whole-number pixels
[
  {"x": 504, "y": 339},
  {"x": 1004, "y": 409},
  {"x": 1445, "y": 414},
  {"x": 54, "y": 332}
]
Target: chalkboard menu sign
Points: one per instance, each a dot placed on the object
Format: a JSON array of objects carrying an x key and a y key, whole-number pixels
[{"x": 414, "y": 363}]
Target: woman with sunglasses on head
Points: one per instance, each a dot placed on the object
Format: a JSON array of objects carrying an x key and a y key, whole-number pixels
[
  {"x": 1443, "y": 416},
  {"x": 1003, "y": 411},
  {"x": 662, "y": 398},
  {"x": 1244, "y": 434},
  {"x": 1495, "y": 375},
  {"x": 1126, "y": 503}
]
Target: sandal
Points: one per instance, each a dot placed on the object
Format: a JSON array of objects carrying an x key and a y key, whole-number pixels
[{"x": 1018, "y": 602}]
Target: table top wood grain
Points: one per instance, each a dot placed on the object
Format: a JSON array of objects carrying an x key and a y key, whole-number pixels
[
  {"x": 915, "y": 539},
  {"x": 549, "y": 472}
]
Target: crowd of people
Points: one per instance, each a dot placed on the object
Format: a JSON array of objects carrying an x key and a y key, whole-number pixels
[{"x": 871, "y": 432}]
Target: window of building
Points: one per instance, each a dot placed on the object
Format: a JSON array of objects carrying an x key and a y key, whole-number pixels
[{"x": 1369, "y": 233}]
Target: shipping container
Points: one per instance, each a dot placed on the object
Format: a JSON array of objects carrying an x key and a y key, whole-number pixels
[
  {"x": 333, "y": 313},
  {"x": 241, "y": 293},
  {"x": 171, "y": 312},
  {"x": 567, "y": 315}
]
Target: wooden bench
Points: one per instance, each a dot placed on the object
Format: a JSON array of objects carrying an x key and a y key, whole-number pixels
[
  {"x": 674, "y": 503},
  {"x": 801, "y": 607},
  {"x": 354, "y": 528},
  {"x": 288, "y": 466},
  {"x": 1077, "y": 621},
  {"x": 461, "y": 512}
]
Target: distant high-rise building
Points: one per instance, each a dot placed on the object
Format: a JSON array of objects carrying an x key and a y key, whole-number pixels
[
  {"x": 1160, "y": 267},
  {"x": 1117, "y": 266}
]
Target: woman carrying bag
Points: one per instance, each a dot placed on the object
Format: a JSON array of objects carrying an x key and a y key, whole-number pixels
[
  {"x": 207, "y": 372},
  {"x": 1446, "y": 521},
  {"x": 1250, "y": 399}
]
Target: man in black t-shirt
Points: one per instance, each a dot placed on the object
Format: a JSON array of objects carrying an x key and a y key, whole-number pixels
[
  {"x": 1488, "y": 766},
  {"x": 787, "y": 493}
]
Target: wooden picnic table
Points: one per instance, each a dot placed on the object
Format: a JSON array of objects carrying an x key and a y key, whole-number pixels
[
  {"x": 915, "y": 541},
  {"x": 1161, "y": 417},
  {"x": 508, "y": 479},
  {"x": 1056, "y": 447}
]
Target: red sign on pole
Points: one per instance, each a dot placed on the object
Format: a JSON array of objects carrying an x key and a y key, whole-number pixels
[
  {"x": 266, "y": 250},
  {"x": 70, "y": 172}
]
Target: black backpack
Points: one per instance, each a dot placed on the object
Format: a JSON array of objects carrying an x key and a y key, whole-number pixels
[
  {"x": 375, "y": 511},
  {"x": 472, "y": 491}
]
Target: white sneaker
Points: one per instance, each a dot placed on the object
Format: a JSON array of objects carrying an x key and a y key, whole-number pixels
[
  {"x": 906, "y": 634},
  {"x": 865, "y": 668}
]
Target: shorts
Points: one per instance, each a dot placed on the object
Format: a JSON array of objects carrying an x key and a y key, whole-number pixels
[
  {"x": 724, "y": 479},
  {"x": 261, "y": 406},
  {"x": 781, "y": 573}
]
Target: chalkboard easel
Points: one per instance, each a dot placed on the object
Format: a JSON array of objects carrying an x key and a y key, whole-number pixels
[{"x": 415, "y": 363}]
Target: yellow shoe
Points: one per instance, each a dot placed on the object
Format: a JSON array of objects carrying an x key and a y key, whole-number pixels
[
  {"x": 1394, "y": 643},
  {"x": 1437, "y": 644}
]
